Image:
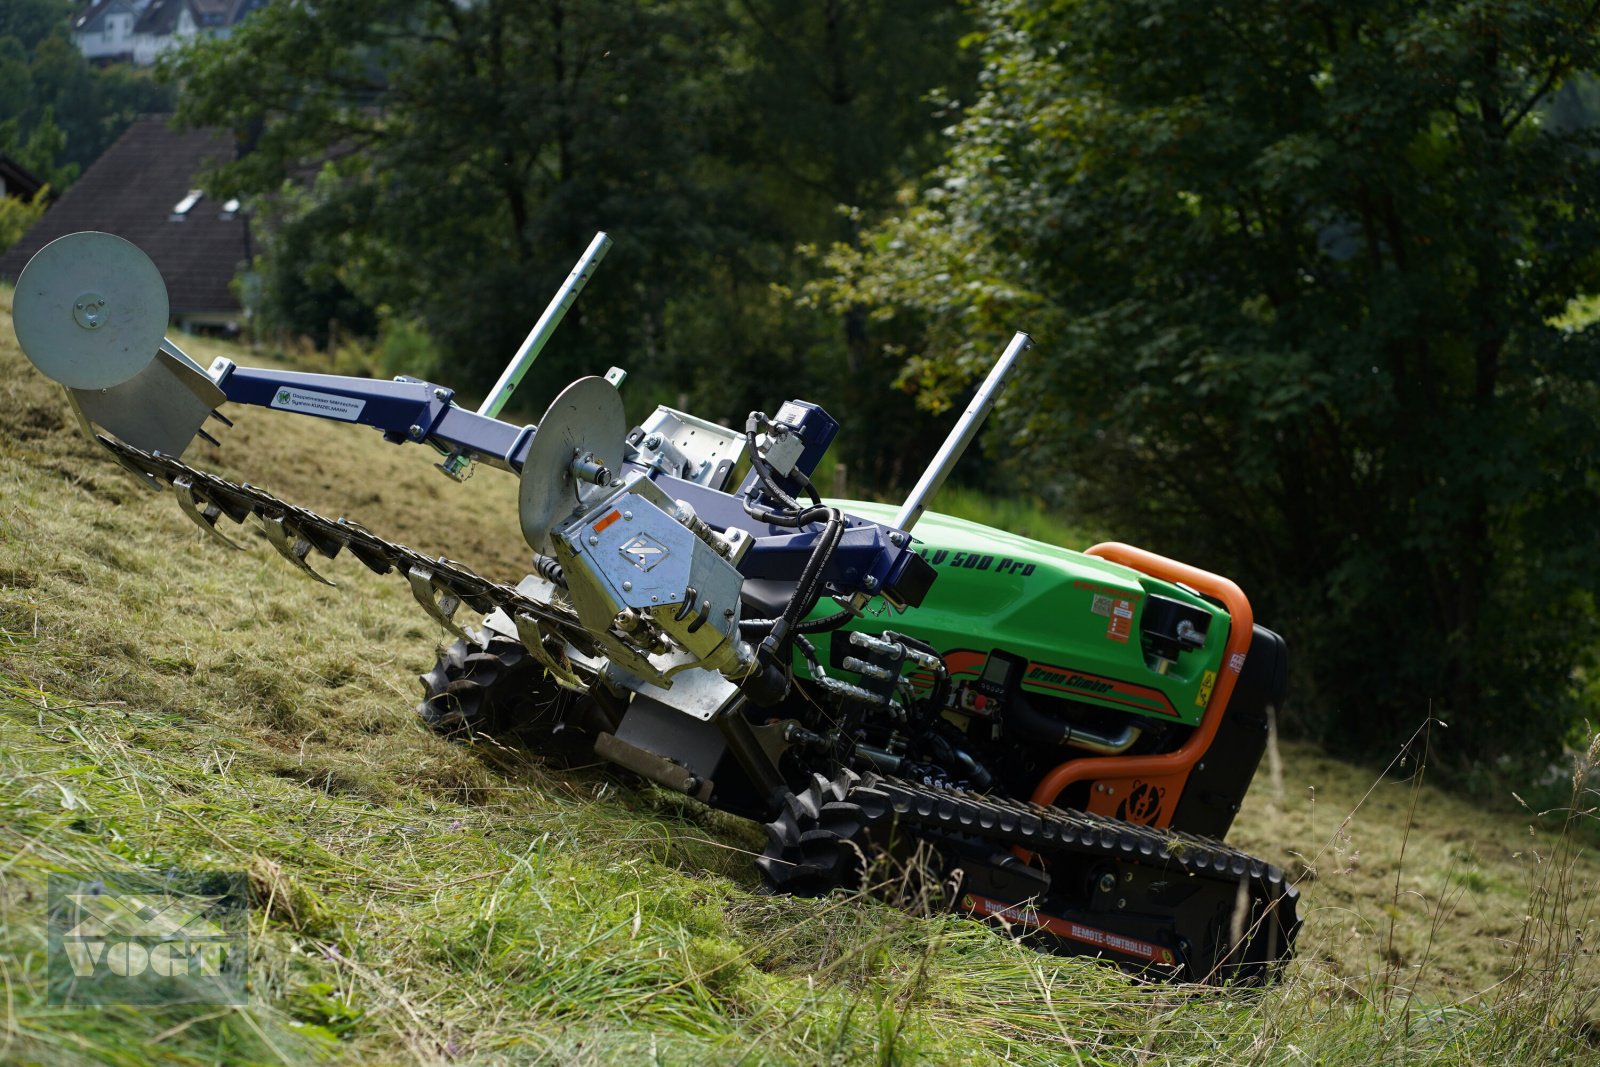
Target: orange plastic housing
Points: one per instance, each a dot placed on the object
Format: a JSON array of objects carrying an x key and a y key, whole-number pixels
[{"x": 1118, "y": 781}]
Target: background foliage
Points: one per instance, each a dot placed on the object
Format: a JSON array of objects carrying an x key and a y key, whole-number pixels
[
  {"x": 1311, "y": 280},
  {"x": 466, "y": 153},
  {"x": 1293, "y": 268},
  {"x": 57, "y": 112}
]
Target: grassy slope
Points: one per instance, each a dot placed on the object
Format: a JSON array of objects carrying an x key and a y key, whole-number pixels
[{"x": 165, "y": 702}]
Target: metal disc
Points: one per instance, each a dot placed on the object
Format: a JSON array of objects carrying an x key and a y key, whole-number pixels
[
  {"x": 90, "y": 310},
  {"x": 586, "y": 418}
]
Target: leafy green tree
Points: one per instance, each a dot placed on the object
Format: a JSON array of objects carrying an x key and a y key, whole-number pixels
[
  {"x": 468, "y": 152},
  {"x": 57, "y": 111},
  {"x": 1292, "y": 267},
  {"x": 475, "y": 149}
]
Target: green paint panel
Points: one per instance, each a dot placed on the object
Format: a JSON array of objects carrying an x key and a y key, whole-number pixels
[{"x": 1075, "y": 617}]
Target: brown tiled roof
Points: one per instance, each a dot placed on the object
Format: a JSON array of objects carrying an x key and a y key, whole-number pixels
[
  {"x": 18, "y": 180},
  {"x": 130, "y": 191}
]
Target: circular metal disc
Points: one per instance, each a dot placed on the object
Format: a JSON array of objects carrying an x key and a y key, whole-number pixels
[
  {"x": 586, "y": 418},
  {"x": 90, "y": 310}
]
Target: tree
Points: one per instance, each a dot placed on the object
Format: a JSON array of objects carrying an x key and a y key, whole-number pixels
[
  {"x": 468, "y": 151},
  {"x": 1292, "y": 268},
  {"x": 57, "y": 112},
  {"x": 476, "y": 148}
]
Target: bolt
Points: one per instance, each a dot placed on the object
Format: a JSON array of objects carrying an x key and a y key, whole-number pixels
[
  {"x": 727, "y": 613},
  {"x": 652, "y": 600},
  {"x": 1127, "y": 876},
  {"x": 897, "y": 539},
  {"x": 627, "y": 516},
  {"x": 653, "y": 442},
  {"x": 869, "y": 583},
  {"x": 1122, "y": 902},
  {"x": 100, "y": 303},
  {"x": 594, "y": 539},
  {"x": 80, "y": 305},
  {"x": 441, "y": 395},
  {"x": 627, "y": 586},
  {"x": 1108, "y": 882},
  {"x": 415, "y": 432}
]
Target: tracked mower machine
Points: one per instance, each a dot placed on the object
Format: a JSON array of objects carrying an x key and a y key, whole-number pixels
[{"x": 1054, "y": 741}]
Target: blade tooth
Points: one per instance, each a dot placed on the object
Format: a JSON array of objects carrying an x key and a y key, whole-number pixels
[
  {"x": 440, "y": 605},
  {"x": 189, "y": 502},
  {"x": 233, "y": 505},
  {"x": 323, "y": 535},
  {"x": 207, "y": 437},
  {"x": 279, "y": 533},
  {"x": 367, "y": 547},
  {"x": 220, "y": 417}
]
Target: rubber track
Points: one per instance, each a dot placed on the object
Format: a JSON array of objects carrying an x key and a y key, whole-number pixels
[{"x": 1052, "y": 831}]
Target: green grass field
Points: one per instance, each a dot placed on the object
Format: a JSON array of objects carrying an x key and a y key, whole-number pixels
[{"x": 168, "y": 703}]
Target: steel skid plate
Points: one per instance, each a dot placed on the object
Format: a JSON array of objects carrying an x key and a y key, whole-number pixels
[
  {"x": 90, "y": 310},
  {"x": 585, "y": 420}
]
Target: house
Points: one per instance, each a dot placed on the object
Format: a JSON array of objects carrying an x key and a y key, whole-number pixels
[
  {"x": 144, "y": 188},
  {"x": 16, "y": 180},
  {"x": 138, "y": 31},
  {"x": 104, "y": 31}
]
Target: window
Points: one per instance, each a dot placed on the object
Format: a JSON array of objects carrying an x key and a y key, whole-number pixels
[{"x": 181, "y": 209}]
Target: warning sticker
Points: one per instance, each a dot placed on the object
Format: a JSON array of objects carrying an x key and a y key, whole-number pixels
[
  {"x": 1207, "y": 681},
  {"x": 328, "y": 405},
  {"x": 1120, "y": 627},
  {"x": 1101, "y": 605}
]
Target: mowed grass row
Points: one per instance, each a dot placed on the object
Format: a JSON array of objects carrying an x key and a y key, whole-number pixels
[{"x": 167, "y": 703}]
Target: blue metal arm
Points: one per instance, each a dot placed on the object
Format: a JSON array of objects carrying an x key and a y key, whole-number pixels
[
  {"x": 870, "y": 558},
  {"x": 405, "y": 409}
]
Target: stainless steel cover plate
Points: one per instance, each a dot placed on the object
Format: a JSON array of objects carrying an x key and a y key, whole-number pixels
[
  {"x": 90, "y": 310},
  {"x": 586, "y": 418}
]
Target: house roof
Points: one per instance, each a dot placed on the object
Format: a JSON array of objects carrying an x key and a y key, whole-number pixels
[
  {"x": 161, "y": 18},
  {"x": 133, "y": 191},
  {"x": 18, "y": 180},
  {"x": 89, "y": 15}
]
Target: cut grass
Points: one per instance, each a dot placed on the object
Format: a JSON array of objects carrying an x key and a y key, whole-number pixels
[{"x": 166, "y": 703}]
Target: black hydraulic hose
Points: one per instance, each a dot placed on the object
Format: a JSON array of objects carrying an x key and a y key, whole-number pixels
[
  {"x": 550, "y": 569},
  {"x": 757, "y": 627},
  {"x": 759, "y": 464},
  {"x": 1033, "y": 724},
  {"x": 775, "y": 648},
  {"x": 789, "y": 519}
]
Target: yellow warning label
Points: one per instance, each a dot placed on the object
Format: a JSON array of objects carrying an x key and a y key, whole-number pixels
[{"x": 1207, "y": 680}]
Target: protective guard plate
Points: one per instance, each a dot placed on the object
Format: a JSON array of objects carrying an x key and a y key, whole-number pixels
[
  {"x": 586, "y": 417},
  {"x": 90, "y": 310}
]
